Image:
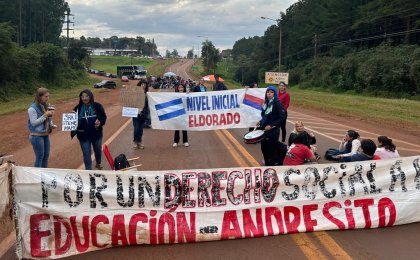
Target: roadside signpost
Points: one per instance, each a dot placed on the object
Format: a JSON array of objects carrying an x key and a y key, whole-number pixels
[{"x": 276, "y": 77}]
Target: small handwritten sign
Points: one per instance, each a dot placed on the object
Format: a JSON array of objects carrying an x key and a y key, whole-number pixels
[
  {"x": 69, "y": 122},
  {"x": 130, "y": 111}
]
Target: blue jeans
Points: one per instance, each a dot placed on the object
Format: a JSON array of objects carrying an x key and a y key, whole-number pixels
[
  {"x": 41, "y": 146},
  {"x": 138, "y": 124},
  {"x": 86, "y": 150}
]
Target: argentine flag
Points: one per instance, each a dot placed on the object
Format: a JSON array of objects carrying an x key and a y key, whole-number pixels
[{"x": 170, "y": 109}]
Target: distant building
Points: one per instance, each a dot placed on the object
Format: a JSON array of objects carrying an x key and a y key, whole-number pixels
[
  {"x": 113, "y": 52},
  {"x": 226, "y": 53}
]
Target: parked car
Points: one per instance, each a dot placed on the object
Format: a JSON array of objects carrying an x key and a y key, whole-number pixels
[
  {"x": 124, "y": 79},
  {"x": 105, "y": 84},
  {"x": 101, "y": 73}
]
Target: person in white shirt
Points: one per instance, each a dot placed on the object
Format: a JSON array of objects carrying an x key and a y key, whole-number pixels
[
  {"x": 386, "y": 148},
  {"x": 349, "y": 146}
]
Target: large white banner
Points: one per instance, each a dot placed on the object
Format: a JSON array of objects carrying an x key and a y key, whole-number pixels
[
  {"x": 66, "y": 212},
  {"x": 199, "y": 111}
]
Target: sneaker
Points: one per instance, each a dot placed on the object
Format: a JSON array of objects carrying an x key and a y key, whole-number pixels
[
  {"x": 175, "y": 145},
  {"x": 135, "y": 145},
  {"x": 141, "y": 146},
  {"x": 186, "y": 144},
  {"x": 317, "y": 157},
  {"x": 99, "y": 167}
]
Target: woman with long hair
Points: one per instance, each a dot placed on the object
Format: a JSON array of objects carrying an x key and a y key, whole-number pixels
[
  {"x": 386, "y": 148},
  {"x": 348, "y": 146},
  {"x": 40, "y": 125},
  {"x": 92, "y": 118}
]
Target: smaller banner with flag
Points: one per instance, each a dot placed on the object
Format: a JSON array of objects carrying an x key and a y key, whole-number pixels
[{"x": 200, "y": 111}]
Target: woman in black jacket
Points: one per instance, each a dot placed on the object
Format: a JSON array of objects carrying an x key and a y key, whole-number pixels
[
  {"x": 91, "y": 119},
  {"x": 273, "y": 115}
]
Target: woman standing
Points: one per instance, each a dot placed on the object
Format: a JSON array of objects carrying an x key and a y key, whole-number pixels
[
  {"x": 186, "y": 89},
  {"x": 273, "y": 115},
  {"x": 386, "y": 148},
  {"x": 284, "y": 98},
  {"x": 140, "y": 121},
  {"x": 92, "y": 118},
  {"x": 40, "y": 125}
]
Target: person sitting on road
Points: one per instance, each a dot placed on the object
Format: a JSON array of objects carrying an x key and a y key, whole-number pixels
[
  {"x": 386, "y": 148},
  {"x": 298, "y": 153},
  {"x": 368, "y": 150},
  {"x": 309, "y": 138},
  {"x": 349, "y": 146}
]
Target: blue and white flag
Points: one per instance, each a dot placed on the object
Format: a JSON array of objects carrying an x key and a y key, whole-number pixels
[{"x": 170, "y": 109}]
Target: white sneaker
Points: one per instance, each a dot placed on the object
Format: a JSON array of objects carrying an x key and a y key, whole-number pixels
[
  {"x": 175, "y": 145},
  {"x": 141, "y": 146},
  {"x": 135, "y": 145},
  {"x": 186, "y": 144}
]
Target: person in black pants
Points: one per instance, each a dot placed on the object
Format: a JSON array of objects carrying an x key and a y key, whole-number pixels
[
  {"x": 181, "y": 88},
  {"x": 273, "y": 115}
]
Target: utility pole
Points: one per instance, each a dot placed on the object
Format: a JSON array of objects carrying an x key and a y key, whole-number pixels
[
  {"x": 280, "y": 34},
  {"x": 279, "y": 20},
  {"x": 68, "y": 22},
  {"x": 20, "y": 23}
]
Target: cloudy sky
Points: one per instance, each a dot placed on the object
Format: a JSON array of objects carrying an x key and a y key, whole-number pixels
[{"x": 176, "y": 24}]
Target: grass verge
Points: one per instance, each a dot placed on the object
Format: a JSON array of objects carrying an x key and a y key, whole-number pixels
[{"x": 395, "y": 112}]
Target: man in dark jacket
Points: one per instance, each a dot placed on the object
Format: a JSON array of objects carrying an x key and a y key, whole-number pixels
[{"x": 218, "y": 85}]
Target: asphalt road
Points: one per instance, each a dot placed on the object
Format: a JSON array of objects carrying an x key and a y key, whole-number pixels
[{"x": 225, "y": 148}]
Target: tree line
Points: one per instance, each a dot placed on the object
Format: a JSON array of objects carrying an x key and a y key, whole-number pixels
[
  {"x": 30, "y": 50},
  {"x": 358, "y": 45}
]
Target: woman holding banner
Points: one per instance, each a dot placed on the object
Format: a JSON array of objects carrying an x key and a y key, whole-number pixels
[
  {"x": 92, "y": 118},
  {"x": 273, "y": 115},
  {"x": 40, "y": 125},
  {"x": 181, "y": 88}
]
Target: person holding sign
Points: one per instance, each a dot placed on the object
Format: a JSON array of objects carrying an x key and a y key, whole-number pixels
[
  {"x": 40, "y": 125},
  {"x": 273, "y": 115},
  {"x": 284, "y": 98},
  {"x": 140, "y": 120},
  {"x": 91, "y": 119}
]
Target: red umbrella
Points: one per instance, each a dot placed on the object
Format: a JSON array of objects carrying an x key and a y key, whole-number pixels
[{"x": 211, "y": 78}]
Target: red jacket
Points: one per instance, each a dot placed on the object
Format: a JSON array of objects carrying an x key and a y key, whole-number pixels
[{"x": 284, "y": 99}]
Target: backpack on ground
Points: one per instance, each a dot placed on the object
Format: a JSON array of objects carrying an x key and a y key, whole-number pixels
[{"x": 121, "y": 162}]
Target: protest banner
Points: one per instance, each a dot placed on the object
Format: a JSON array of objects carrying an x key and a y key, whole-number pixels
[
  {"x": 200, "y": 111},
  {"x": 69, "y": 122},
  {"x": 64, "y": 212}
]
